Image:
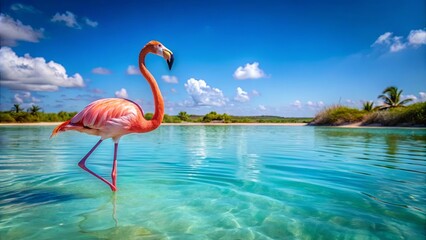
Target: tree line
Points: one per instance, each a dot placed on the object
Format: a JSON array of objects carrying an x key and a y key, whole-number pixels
[{"x": 35, "y": 114}]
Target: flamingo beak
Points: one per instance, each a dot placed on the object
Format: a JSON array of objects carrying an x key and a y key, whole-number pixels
[
  {"x": 170, "y": 61},
  {"x": 168, "y": 55}
]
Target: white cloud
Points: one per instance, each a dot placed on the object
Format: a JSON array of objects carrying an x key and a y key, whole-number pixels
[
  {"x": 422, "y": 96},
  {"x": 23, "y": 7},
  {"x": 90, "y": 22},
  {"x": 397, "y": 43},
  {"x": 12, "y": 31},
  {"x": 249, "y": 71},
  {"x": 101, "y": 70},
  {"x": 169, "y": 79},
  {"x": 310, "y": 104},
  {"x": 132, "y": 70},
  {"x": 204, "y": 95},
  {"x": 18, "y": 99},
  {"x": 241, "y": 96},
  {"x": 122, "y": 93},
  {"x": 255, "y": 93},
  {"x": 34, "y": 74},
  {"x": 417, "y": 37},
  {"x": 297, "y": 104},
  {"x": 262, "y": 107},
  {"x": 25, "y": 97},
  {"x": 384, "y": 38},
  {"x": 68, "y": 18},
  {"x": 409, "y": 96},
  {"x": 318, "y": 104}
]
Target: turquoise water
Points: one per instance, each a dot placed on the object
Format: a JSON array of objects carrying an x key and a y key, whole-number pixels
[{"x": 216, "y": 182}]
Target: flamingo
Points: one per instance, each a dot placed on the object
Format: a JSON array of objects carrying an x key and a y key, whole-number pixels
[{"x": 116, "y": 117}]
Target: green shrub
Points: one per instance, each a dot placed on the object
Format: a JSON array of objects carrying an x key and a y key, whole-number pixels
[
  {"x": 414, "y": 114},
  {"x": 5, "y": 117},
  {"x": 338, "y": 115}
]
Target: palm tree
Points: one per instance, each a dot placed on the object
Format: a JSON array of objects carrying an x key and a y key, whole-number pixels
[
  {"x": 17, "y": 108},
  {"x": 34, "y": 109},
  {"x": 368, "y": 106},
  {"x": 183, "y": 116},
  {"x": 392, "y": 98}
]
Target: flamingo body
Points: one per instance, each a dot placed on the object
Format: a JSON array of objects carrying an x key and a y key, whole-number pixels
[
  {"x": 115, "y": 117},
  {"x": 107, "y": 118}
]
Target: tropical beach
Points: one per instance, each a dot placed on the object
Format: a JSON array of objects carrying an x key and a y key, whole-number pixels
[{"x": 212, "y": 120}]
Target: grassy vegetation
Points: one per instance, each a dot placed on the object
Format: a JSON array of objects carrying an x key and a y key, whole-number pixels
[
  {"x": 412, "y": 115},
  {"x": 392, "y": 112},
  {"x": 338, "y": 115}
]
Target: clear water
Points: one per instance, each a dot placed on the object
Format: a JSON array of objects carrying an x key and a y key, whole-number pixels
[{"x": 216, "y": 182}]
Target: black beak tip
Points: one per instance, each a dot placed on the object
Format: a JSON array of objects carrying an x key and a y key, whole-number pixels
[{"x": 170, "y": 62}]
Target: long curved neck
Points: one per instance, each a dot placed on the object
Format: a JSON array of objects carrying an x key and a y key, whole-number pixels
[{"x": 158, "y": 98}]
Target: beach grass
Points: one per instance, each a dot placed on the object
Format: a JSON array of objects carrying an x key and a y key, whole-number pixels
[{"x": 411, "y": 115}]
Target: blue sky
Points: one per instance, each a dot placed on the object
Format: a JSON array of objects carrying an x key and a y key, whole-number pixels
[{"x": 285, "y": 58}]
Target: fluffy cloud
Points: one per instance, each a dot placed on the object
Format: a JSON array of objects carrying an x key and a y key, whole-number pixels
[
  {"x": 415, "y": 38},
  {"x": 12, "y": 31},
  {"x": 90, "y": 22},
  {"x": 19, "y": 97},
  {"x": 169, "y": 79},
  {"x": 297, "y": 104},
  {"x": 122, "y": 93},
  {"x": 34, "y": 74},
  {"x": 68, "y": 18},
  {"x": 204, "y": 95},
  {"x": 132, "y": 70},
  {"x": 397, "y": 45},
  {"x": 101, "y": 70},
  {"x": 241, "y": 96},
  {"x": 249, "y": 71},
  {"x": 25, "y": 97}
]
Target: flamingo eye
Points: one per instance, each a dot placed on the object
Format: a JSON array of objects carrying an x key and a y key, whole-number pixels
[{"x": 159, "y": 45}]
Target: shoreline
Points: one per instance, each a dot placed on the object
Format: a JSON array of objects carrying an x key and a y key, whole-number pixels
[
  {"x": 170, "y": 124},
  {"x": 352, "y": 125}
]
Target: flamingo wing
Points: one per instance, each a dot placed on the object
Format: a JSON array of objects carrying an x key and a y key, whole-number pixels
[{"x": 110, "y": 117}]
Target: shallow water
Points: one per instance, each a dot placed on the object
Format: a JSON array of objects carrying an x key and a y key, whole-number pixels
[{"x": 216, "y": 182}]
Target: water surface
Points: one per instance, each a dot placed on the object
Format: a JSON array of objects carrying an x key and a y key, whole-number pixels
[{"x": 216, "y": 182}]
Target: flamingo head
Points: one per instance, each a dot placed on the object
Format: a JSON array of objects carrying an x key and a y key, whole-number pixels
[{"x": 159, "y": 49}]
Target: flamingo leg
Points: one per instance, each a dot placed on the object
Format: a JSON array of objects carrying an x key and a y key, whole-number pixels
[
  {"x": 82, "y": 164},
  {"x": 114, "y": 166}
]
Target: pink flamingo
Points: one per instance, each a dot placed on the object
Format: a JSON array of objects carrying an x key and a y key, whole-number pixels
[{"x": 116, "y": 117}]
